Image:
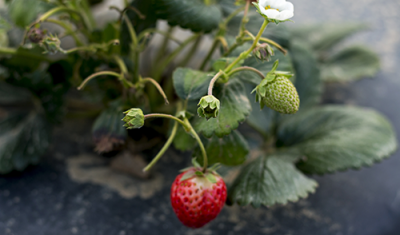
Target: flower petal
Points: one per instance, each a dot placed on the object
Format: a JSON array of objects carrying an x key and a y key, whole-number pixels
[
  {"x": 284, "y": 15},
  {"x": 287, "y": 6},
  {"x": 272, "y": 14},
  {"x": 264, "y": 3}
]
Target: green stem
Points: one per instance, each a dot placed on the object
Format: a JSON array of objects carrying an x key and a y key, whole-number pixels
[
  {"x": 159, "y": 88},
  {"x": 191, "y": 53},
  {"x": 121, "y": 65},
  {"x": 244, "y": 19},
  {"x": 172, "y": 56},
  {"x": 203, "y": 150},
  {"x": 161, "y": 115},
  {"x": 246, "y": 53},
  {"x": 27, "y": 54},
  {"x": 76, "y": 49},
  {"x": 96, "y": 75},
  {"x": 232, "y": 15},
  {"x": 246, "y": 68},
  {"x": 212, "y": 82},
  {"x": 164, "y": 148}
]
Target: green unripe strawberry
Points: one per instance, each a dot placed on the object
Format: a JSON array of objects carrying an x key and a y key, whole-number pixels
[{"x": 277, "y": 92}]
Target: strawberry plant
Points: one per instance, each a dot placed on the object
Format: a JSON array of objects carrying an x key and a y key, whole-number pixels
[{"x": 256, "y": 73}]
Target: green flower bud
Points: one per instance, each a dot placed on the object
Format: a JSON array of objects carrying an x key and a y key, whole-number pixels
[
  {"x": 209, "y": 107},
  {"x": 263, "y": 52},
  {"x": 51, "y": 45},
  {"x": 133, "y": 119},
  {"x": 277, "y": 92}
]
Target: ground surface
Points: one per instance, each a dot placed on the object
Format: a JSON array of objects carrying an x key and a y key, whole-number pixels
[{"x": 75, "y": 192}]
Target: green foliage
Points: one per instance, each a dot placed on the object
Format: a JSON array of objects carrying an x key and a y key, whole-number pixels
[
  {"x": 230, "y": 150},
  {"x": 235, "y": 107},
  {"x": 23, "y": 12},
  {"x": 333, "y": 138},
  {"x": 322, "y": 37},
  {"x": 193, "y": 14},
  {"x": 307, "y": 74},
  {"x": 349, "y": 64},
  {"x": 270, "y": 180},
  {"x": 24, "y": 131},
  {"x": 190, "y": 84}
]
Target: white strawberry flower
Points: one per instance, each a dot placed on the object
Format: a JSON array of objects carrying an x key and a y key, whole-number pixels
[{"x": 279, "y": 10}]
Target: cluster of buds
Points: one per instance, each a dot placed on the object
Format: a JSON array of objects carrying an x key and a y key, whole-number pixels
[
  {"x": 277, "y": 92},
  {"x": 263, "y": 52},
  {"x": 51, "y": 45},
  {"x": 208, "y": 107},
  {"x": 134, "y": 118}
]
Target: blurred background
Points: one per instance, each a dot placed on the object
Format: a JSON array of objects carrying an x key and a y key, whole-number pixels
[{"x": 72, "y": 192}]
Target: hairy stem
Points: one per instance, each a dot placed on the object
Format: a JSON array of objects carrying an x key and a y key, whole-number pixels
[
  {"x": 159, "y": 88},
  {"x": 22, "y": 53},
  {"x": 247, "y": 68},
  {"x": 212, "y": 82},
  {"x": 246, "y": 53},
  {"x": 161, "y": 115}
]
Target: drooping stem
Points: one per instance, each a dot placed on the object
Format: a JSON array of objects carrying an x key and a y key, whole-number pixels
[
  {"x": 203, "y": 150},
  {"x": 121, "y": 65},
  {"x": 96, "y": 75},
  {"x": 246, "y": 53},
  {"x": 164, "y": 148},
  {"x": 161, "y": 115},
  {"x": 159, "y": 88},
  {"x": 212, "y": 82},
  {"x": 247, "y": 68}
]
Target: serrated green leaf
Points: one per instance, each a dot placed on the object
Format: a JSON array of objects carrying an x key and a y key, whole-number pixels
[
  {"x": 190, "y": 84},
  {"x": 270, "y": 180},
  {"x": 230, "y": 150},
  {"x": 350, "y": 64},
  {"x": 235, "y": 107},
  {"x": 24, "y": 132},
  {"x": 184, "y": 141},
  {"x": 333, "y": 138},
  {"x": 308, "y": 81},
  {"x": 189, "y": 14},
  {"x": 322, "y": 37}
]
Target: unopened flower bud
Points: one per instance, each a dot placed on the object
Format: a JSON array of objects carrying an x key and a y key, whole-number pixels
[
  {"x": 133, "y": 119},
  {"x": 209, "y": 107},
  {"x": 277, "y": 92},
  {"x": 51, "y": 45},
  {"x": 263, "y": 52},
  {"x": 36, "y": 35}
]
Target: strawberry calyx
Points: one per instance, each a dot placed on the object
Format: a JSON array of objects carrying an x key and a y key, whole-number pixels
[{"x": 197, "y": 171}]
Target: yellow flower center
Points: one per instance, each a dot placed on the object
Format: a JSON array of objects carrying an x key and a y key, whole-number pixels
[{"x": 269, "y": 7}]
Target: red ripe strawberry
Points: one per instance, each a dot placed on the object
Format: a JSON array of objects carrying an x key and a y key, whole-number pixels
[{"x": 197, "y": 198}]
